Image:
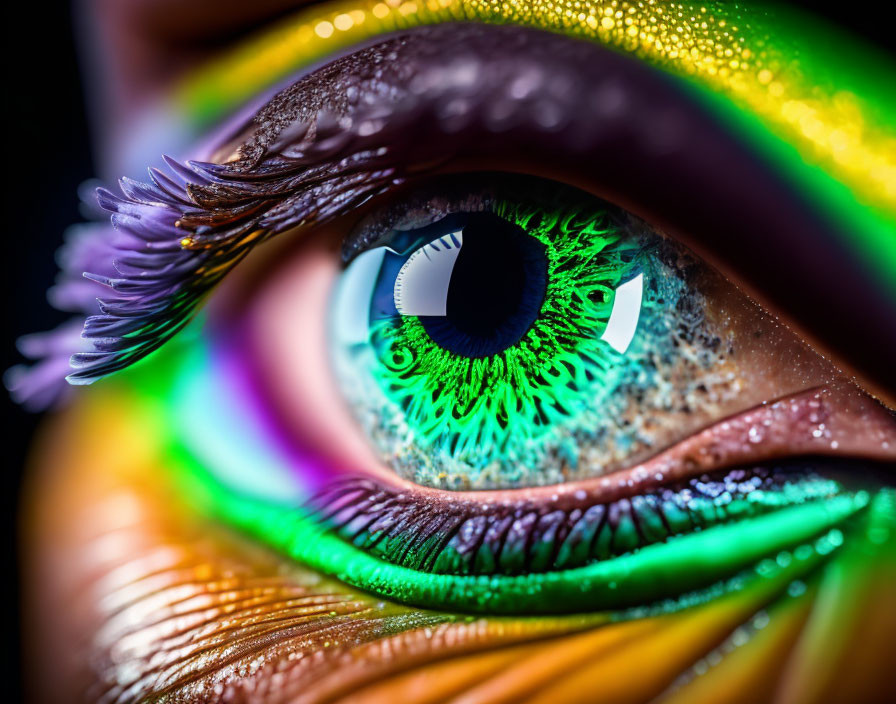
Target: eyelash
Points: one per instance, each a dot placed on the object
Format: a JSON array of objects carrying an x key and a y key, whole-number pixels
[
  {"x": 659, "y": 578},
  {"x": 470, "y": 537}
]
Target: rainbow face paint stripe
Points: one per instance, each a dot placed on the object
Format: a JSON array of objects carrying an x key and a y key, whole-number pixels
[{"x": 461, "y": 352}]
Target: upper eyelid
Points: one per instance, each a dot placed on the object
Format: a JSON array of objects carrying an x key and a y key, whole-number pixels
[
  {"x": 765, "y": 63},
  {"x": 217, "y": 190}
]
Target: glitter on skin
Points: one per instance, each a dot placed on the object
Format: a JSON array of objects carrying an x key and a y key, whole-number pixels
[{"x": 763, "y": 62}]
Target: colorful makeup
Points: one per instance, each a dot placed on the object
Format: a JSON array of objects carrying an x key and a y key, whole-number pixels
[{"x": 506, "y": 322}]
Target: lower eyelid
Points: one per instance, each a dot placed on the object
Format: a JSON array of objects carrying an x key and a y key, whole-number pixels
[{"x": 685, "y": 566}]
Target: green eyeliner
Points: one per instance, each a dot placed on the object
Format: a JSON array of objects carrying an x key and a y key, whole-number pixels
[{"x": 688, "y": 565}]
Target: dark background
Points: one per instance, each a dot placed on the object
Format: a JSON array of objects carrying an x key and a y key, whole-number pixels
[{"x": 46, "y": 156}]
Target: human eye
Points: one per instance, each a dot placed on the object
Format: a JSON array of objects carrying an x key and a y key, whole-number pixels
[
  {"x": 554, "y": 395},
  {"x": 505, "y": 351}
]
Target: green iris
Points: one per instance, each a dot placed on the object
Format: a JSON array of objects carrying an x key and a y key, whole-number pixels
[
  {"x": 533, "y": 408},
  {"x": 470, "y": 406}
]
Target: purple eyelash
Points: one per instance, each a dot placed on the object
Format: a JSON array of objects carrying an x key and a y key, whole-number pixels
[
  {"x": 188, "y": 236},
  {"x": 174, "y": 239}
]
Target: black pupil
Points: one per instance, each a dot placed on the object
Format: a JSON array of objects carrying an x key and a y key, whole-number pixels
[{"x": 496, "y": 291}]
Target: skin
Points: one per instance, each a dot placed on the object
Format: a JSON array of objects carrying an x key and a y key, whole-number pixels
[{"x": 140, "y": 587}]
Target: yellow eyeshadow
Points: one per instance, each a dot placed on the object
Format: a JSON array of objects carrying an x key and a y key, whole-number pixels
[{"x": 741, "y": 54}]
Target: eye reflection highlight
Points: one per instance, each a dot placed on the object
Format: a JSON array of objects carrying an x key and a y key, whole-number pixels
[{"x": 625, "y": 314}]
